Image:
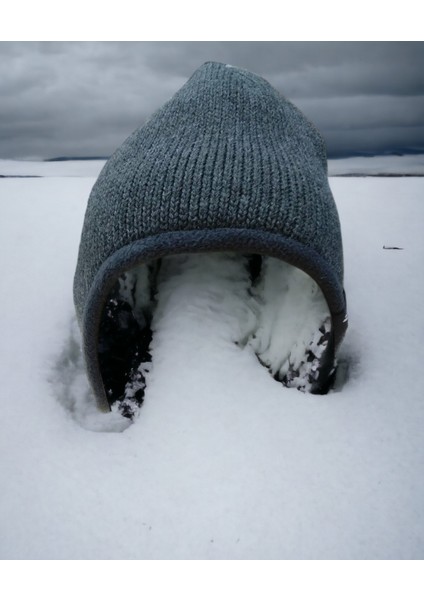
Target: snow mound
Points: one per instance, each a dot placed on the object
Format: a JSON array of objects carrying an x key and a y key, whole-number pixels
[
  {"x": 226, "y": 302},
  {"x": 221, "y": 298}
]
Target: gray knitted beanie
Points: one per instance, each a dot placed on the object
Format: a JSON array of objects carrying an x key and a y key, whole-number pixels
[{"x": 227, "y": 164}]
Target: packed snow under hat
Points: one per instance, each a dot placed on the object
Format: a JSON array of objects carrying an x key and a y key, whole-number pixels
[{"x": 227, "y": 168}]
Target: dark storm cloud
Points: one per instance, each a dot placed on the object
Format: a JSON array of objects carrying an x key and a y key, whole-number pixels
[{"x": 60, "y": 98}]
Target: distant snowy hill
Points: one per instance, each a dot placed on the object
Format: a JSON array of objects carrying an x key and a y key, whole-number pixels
[
  {"x": 71, "y": 168},
  {"x": 411, "y": 164}
]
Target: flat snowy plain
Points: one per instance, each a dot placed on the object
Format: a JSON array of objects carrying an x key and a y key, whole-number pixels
[{"x": 222, "y": 462}]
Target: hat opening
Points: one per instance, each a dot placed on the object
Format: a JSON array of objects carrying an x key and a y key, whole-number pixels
[{"x": 281, "y": 315}]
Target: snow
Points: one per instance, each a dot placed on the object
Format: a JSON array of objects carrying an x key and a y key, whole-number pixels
[
  {"x": 223, "y": 461},
  {"x": 290, "y": 310},
  {"x": 260, "y": 304}
]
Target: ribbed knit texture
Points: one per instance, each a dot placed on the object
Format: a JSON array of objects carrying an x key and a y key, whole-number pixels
[{"x": 227, "y": 152}]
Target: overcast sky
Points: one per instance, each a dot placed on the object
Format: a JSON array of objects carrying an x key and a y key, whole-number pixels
[{"x": 85, "y": 98}]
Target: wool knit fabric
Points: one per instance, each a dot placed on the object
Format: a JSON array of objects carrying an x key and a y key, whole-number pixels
[{"x": 226, "y": 164}]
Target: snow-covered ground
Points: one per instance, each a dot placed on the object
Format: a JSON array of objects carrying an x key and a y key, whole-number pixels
[{"x": 223, "y": 462}]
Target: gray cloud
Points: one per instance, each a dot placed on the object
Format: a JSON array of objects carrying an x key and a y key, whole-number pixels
[{"x": 73, "y": 98}]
